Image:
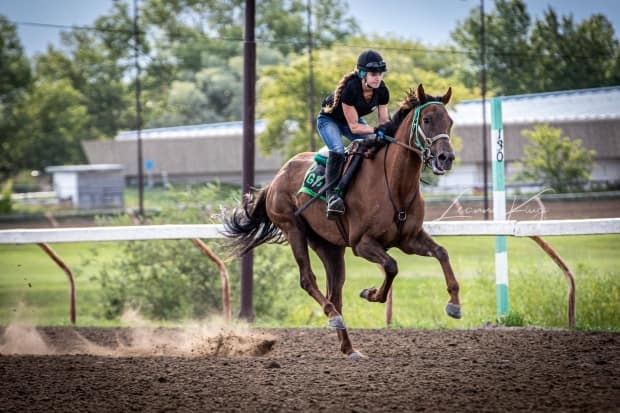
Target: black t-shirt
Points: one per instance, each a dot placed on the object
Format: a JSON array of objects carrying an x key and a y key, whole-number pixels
[{"x": 353, "y": 95}]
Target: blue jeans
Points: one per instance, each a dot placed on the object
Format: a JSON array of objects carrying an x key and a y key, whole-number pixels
[{"x": 331, "y": 132}]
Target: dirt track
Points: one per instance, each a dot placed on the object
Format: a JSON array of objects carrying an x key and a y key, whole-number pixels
[{"x": 300, "y": 370}]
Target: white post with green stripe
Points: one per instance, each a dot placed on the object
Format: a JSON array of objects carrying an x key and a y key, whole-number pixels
[{"x": 499, "y": 207}]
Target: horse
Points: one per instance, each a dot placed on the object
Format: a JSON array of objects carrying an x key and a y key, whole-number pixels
[{"x": 384, "y": 209}]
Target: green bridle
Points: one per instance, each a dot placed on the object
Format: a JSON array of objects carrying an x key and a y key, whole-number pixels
[{"x": 424, "y": 144}]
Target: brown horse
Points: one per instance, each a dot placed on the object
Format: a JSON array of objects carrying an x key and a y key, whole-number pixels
[{"x": 385, "y": 209}]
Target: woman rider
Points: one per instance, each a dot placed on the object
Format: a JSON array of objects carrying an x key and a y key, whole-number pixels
[{"x": 357, "y": 94}]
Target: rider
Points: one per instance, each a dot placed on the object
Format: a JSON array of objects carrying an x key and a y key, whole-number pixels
[{"x": 357, "y": 94}]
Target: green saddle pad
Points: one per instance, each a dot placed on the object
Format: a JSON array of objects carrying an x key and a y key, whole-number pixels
[{"x": 315, "y": 177}]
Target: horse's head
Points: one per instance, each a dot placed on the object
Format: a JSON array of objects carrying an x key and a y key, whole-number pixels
[{"x": 430, "y": 130}]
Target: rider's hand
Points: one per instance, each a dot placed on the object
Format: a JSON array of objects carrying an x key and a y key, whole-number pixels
[{"x": 380, "y": 132}]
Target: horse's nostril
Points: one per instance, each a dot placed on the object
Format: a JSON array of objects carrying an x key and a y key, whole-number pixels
[
  {"x": 446, "y": 156},
  {"x": 445, "y": 159}
]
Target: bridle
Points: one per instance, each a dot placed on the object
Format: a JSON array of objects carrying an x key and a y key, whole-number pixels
[
  {"x": 418, "y": 141},
  {"x": 417, "y": 131}
]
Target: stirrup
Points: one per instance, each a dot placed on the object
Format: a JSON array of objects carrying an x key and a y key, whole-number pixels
[{"x": 335, "y": 207}]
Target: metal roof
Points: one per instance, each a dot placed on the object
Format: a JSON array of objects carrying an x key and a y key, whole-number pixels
[
  {"x": 203, "y": 130},
  {"x": 571, "y": 105}
]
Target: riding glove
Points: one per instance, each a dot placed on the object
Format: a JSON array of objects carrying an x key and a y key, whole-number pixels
[{"x": 380, "y": 132}]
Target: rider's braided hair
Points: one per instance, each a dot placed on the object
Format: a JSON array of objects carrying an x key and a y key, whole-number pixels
[{"x": 338, "y": 91}]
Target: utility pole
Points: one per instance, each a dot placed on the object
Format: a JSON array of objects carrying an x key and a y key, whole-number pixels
[
  {"x": 249, "y": 100},
  {"x": 483, "y": 88},
  {"x": 310, "y": 78},
  {"x": 136, "y": 54}
]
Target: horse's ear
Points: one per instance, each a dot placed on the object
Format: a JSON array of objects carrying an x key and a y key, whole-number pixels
[
  {"x": 446, "y": 98},
  {"x": 421, "y": 94}
]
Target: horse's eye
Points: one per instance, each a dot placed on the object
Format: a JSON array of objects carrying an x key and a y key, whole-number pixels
[{"x": 426, "y": 120}]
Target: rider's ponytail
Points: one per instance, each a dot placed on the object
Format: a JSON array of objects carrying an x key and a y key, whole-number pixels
[{"x": 338, "y": 91}]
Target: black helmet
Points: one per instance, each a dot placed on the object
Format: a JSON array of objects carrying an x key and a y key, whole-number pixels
[{"x": 371, "y": 61}]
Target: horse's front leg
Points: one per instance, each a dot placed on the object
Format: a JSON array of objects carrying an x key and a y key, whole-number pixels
[
  {"x": 424, "y": 245},
  {"x": 370, "y": 249}
]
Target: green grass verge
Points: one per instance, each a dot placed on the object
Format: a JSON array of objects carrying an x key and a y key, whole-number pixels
[{"x": 34, "y": 289}]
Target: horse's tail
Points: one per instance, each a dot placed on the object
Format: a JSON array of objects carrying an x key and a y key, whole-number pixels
[{"x": 249, "y": 226}]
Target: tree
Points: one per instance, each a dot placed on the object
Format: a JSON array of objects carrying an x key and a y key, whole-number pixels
[
  {"x": 556, "y": 161},
  {"x": 507, "y": 50},
  {"x": 573, "y": 56},
  {"x": 554, "y": 54},
  {"x": 15, "y": 79},
  {"x": 54, "y": 119},
  {"x": 98, "y": 63},
  {"x": 202, "y": 40}
]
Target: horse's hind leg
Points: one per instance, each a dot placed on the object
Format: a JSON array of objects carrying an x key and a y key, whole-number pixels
[
  {"x": 297, "y": 238},
  {"x": 424, "y": 245},
  {"x": 332, "y": 257},
  {"x": 370, "y": 249}
]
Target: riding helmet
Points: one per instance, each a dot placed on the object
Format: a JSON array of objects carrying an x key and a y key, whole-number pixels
[{"x": 371, "y": 61}]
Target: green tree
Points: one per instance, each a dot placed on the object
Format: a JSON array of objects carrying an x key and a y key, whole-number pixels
[
  {"x": 553, "y": 54},
  {"x": 507, "y": 48},
  {"x": 98, "y": 63},
  {"x": 15, "y": 79},
  {"x": 203, "y": 42},
  {"x": 556, "y": 161},
  {"x": 54, "y": 120},
  {"x": 573, "y": 56}
]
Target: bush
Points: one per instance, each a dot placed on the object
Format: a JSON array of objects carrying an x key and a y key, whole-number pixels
[
  {"x": 559, "y": 162},
  {"x": 173, "y": 280},
  {"x": 6, "y": 204},
  {"x": 513, "y": 319}
]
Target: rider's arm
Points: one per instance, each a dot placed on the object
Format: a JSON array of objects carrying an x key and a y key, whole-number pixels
[
  {"x": 383, "y": 114},
  {"x": 353, "y": 121}
]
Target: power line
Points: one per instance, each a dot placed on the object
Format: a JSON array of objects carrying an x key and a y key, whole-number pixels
[
  {"x": 72, "y": 27},
  {"x": 472, "y": 53}
]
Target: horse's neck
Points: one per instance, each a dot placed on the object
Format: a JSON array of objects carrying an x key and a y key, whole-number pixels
[
  {"x": 403, "y": 169},
  {"x": 403, "y": 166}
]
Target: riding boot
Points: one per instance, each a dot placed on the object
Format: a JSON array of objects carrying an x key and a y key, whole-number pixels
[{"x": 335, "y": 204}]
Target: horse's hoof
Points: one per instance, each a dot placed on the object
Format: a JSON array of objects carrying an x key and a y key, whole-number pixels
[
  {"x": 356, "y": 355},
  {"x": 366, "y": 292},
  {"x": 336, "y": 322},
  {"x": 453, "y": 310}
]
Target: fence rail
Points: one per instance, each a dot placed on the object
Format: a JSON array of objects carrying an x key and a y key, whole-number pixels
[
  {"x": 210, "y": 231},
  {"x": 532, "y": 229}
]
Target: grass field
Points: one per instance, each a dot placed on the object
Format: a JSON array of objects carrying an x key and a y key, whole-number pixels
[{"x": 33, "y": 289}]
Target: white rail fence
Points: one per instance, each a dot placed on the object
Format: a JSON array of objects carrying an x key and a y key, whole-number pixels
[{"x": 532, "y": 229}]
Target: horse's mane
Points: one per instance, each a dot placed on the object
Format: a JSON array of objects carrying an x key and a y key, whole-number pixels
[{"x": 407, "y": 105}]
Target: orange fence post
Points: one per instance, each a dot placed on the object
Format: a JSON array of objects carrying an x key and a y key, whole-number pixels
[
  {"x": 223, "y": 275},
  {"x": 67, "y": 271},
  {"x": 567, "y": 273}
]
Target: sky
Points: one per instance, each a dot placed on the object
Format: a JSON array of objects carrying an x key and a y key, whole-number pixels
[{"x": 428, "y": 21}]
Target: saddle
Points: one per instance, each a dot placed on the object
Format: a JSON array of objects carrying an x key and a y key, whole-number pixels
[{"x": 314, "y": 180}]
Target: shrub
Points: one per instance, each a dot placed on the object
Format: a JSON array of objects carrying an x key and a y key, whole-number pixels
[
  {"x": 6, "y": 204},
  {"x": 558, "y": 162},
  {"x": 172, "y": 279}
]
